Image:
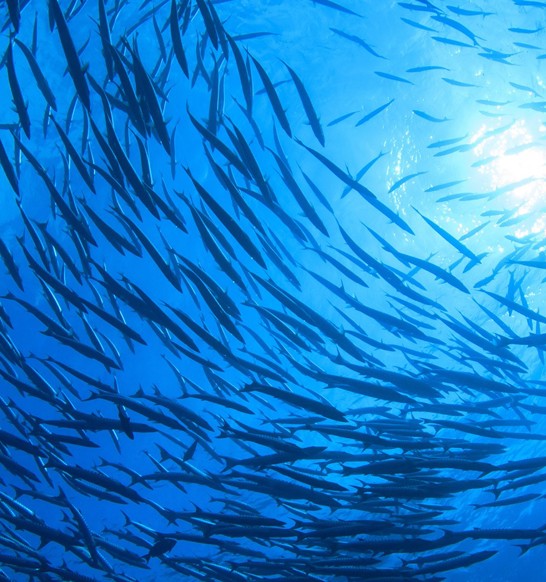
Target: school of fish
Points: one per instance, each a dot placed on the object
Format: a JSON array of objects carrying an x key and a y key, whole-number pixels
[{"x": 251, "y": 333}]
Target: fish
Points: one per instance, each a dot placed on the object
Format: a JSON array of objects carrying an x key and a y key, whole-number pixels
[
  {"x": 429, "y": 117},
  {"x": 75, "y": 157},
  {"x": 516, "y": 307},
  {"x": 466, "y": 12},
  {"x": 273, "y": 97},
  {"x": 463, "y": 561},
  {"x": 177, "y": 409},
  {"x": 358, "y": 41},
  {"x": 341, "y": 118},
  {"x": 73, "y": 61},
  {"x": 424, "y": 264},
  {"x": 242, "y": 238},
  {"x": 449, "y": 238},
  {"x": 299, "y": 196},
  {"x": 524, "y": 88},
  {"x": 458, "y": 43},
  {"x": 14, "y": 12},
  {"x": 366, "y": 194},
  {"x": 392, "y": 77},
  {"x": 426, "y": 68},
  {"x": 9, "y": 170},
  {"x": 323, "y": 408},
  {"x": 72, "y": 218},
  {"x": 336, "y": 6},
  {"x": 147, "y": 93},
  {"x": 373, "y": 113},
  {"x": 160, "y": 547},
  {"x": 444, "y": 186},
  {"x": 519, "y": 30},
  {"x": 403, "y": 180},
  {"x": 308, "y": 106},
  {"x": 456, "y": 26},
  {"x": 41, "y": 80},
  {"x": 417, "y": 25},
  {"x": 11, "y": 265},
  {"x": 16, "y": 92}
]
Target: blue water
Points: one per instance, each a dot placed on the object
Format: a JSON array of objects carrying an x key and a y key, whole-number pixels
[{"x": 443, "y": 106}]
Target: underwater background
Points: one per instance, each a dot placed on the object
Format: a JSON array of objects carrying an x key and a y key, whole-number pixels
[{"x": 272, "y": 298}]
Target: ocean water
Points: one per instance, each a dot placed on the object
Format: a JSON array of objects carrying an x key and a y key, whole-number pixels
[{"x": 279, "y": 315}]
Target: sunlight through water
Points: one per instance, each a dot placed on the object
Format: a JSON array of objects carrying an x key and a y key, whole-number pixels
[{"x": 515, "y": 166}]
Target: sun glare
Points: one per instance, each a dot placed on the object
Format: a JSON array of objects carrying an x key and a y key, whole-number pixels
[{"x": 512, "y": 164}]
